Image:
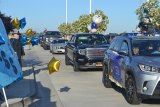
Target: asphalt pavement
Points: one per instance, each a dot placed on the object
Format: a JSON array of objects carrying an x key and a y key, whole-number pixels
[{"x": 80, "y": 89}]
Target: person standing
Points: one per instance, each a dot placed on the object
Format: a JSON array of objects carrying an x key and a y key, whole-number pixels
[{"x": 17, "y": 45}]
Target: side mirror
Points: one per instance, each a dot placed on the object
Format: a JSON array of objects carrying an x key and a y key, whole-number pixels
[{"x": 123, "y": 52}]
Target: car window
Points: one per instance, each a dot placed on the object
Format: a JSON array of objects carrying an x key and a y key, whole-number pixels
[
  {"x": 146, "y": 47},
  {"x": 112, "y": 44},
  {"x": 115, "y": 45},
  {"x": 90, "y": 39},
  {"x": 124, "y": 47},
  {"x": 72, "y": 38}
]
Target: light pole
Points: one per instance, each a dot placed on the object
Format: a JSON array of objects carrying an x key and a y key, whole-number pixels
[
  {"x": 66, "y": 12},
  {"x": 90, "y": 11}
]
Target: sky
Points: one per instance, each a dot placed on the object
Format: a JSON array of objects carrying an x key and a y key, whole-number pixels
[{"x": 41, "y": 14}]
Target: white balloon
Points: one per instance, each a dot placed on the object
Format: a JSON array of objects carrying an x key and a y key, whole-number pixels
[
  {"x": 89, "y": 27},
  {"x": 93, "y": 30},
  {"x": 97, "y": 19}
]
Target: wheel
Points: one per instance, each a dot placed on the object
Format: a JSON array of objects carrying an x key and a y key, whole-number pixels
[
  {"x": 67, "y": 60},
  {"x": 105, "y": 79},
  {"x": 45, "y": 47},
  {"x": 75, "y": 65},
  {"x": 131, "y": 91}
]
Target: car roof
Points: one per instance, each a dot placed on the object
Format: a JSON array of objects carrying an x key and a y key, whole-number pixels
[{"x": 138, "y": 37}]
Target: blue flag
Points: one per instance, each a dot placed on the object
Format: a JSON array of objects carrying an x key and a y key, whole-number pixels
[{"x": 10, "y": 69}]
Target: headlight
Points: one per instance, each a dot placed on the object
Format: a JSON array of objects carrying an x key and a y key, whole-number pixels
[
  {"x": 147, "y": 68},
  {"x": 82, "y": 51},
  {"x": 47, "y": 39}
]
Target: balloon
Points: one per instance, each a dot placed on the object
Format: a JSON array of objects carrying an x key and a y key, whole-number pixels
[
  {"x": 23, "y": 40},
  {"x": 93, "y": 25},
  {"x": 1, "y": 40},
  {"x": 34, "y": 41},
  {"x": 28, "y": 41},
  {"x": 16, "y": 23},
  {"x": 53, "y": 65},
  {"x": 97, "y": 19},
  {"x": 22, "y": 23},
  {"x": 29, "y": 32}
]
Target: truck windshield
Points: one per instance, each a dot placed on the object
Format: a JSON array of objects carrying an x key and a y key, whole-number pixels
[
  {"x": 53, "y": 34},
  {"x": 91, "y": 39},
  {"x": 146, "y": 47}
]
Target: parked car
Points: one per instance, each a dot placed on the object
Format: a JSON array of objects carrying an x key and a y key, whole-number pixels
[
  {"x": 49, "y": 37},
  {"x": 85, "y": 51},
  {"x": 132, "y": 63},
  {"x": 58, "y": 46}
]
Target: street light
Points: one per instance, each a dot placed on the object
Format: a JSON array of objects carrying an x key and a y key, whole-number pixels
[
  {"x": 66, "y": 12},
  {"x": 90, "y": 7}
]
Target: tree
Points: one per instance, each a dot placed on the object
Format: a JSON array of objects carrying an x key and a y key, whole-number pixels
[
  {"x": 7, "y": 22},
  {"x": 149, "y": 12},
  {"x": 81, "y": 25}
]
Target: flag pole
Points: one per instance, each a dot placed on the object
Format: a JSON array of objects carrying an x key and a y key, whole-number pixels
[{"x": 4, "y": 93}]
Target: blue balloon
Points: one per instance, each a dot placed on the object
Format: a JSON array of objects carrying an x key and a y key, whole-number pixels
[
  {"x": 23, "y": 39},
  {"x": 22, "y": 23},
  {"x": 1, "y": 40},
  {"x": 93, "y": 25},
  {"x": 34, "y": 41}
]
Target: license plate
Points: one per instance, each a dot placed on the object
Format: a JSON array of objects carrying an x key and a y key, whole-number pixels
[{"x": 99, "y": 64}]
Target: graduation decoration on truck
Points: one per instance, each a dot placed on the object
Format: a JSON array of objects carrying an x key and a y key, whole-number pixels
[
  {"x": 97, "y": 19},
  {"x": 10, "y": 67}
]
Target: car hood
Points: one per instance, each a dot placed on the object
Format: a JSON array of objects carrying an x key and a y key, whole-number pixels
[{"x": 147, "y": 60}]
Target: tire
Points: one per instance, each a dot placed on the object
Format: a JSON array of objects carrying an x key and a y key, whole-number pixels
[
  {"x": 131, "y": 91},
  {"x": 75, "y": 65},
  {"x": 105, "y": 79},
  {"x": 67, "y": 60}
]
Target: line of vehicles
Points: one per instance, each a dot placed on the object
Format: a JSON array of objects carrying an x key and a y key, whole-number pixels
[{"x": 131, "y": 61}]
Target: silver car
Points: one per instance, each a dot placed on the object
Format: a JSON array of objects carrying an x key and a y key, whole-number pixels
[
  {"x": 133, "y": 63},
  {"x": 58, "y": 46}
]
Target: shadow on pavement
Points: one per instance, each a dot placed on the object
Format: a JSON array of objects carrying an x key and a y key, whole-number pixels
[
  {"x": 64, "y": 89},
  {"x": 145, "y": 101},
  {"x": 43, "y": 97}
]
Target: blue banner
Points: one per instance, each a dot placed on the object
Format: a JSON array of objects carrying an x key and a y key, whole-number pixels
[{"x": 10, "y": 69}]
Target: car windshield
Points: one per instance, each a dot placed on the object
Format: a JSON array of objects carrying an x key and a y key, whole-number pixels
[
  {"x": 146, "y": 47},
  {"x": 53, "y": 34},
  {"x": 59, "y": 41},
  {"x": 91, "y": 39}
]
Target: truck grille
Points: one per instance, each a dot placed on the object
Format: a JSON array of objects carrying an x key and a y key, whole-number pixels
[{"x": 95, "y": 52}]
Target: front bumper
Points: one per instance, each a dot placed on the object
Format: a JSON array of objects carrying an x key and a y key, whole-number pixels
[
  {"x": 59, "y": 50},
  {"x": 85, "y": 62},
  {"x": 148, "y": 84}
]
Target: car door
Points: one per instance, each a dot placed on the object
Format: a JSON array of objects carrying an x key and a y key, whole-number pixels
[
  {"x": 124, "y": 60},
  {"x": 70, "y": 47},
  {"x": 114, "y": 60}
]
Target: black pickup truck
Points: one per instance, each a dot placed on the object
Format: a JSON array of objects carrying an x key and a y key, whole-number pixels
[{"x": 85, "y": 51}]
